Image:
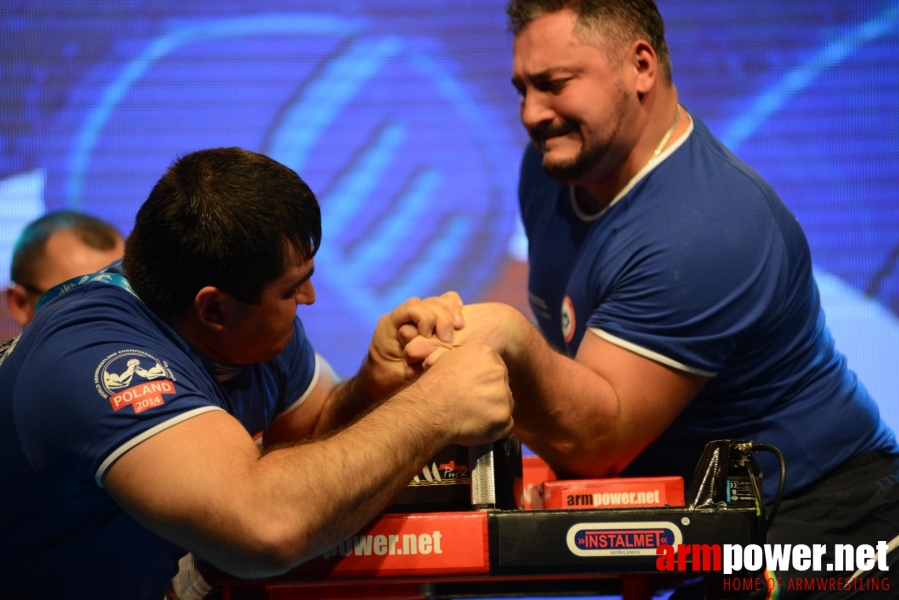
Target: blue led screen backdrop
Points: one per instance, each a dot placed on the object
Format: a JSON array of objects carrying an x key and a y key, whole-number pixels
[{"x": 401, "y": 117}]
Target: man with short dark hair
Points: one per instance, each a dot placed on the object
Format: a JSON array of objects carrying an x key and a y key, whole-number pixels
[
  {"x": 155, "y": 408},
  {"x": 54, "y": 248},
  {"x": 673, "y": 289}
]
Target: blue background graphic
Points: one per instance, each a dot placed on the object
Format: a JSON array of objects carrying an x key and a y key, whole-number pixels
[{"x": 401, "y": 117}]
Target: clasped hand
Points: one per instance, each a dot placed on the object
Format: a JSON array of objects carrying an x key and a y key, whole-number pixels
[
  {"x": 483, "y": 324},
  {"x": 435, "y": 318}
]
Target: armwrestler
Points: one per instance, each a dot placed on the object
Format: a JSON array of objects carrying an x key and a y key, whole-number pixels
[
  {"x": 174, "y": 404},
  {"x": 672, "y": 288}
]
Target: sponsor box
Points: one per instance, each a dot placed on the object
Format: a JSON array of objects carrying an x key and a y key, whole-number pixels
[{"x": 622, "y": 492}]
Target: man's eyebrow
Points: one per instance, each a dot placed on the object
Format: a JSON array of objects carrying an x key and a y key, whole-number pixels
[
  {"x": 542, "y": 75},
  {"x": 304, "y": 278}
]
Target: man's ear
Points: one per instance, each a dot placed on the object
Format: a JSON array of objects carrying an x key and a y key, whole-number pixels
[
  {"x": 20, "y": 306},
  {"x": 646, "y": 67},
  {"x": 210, "y": 307}
]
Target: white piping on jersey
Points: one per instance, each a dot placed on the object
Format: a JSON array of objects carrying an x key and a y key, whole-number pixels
[
  {"x": 320, "y": 365},
  {"x": 118, "y": 452},
  {"x": 659, "y": 358}
]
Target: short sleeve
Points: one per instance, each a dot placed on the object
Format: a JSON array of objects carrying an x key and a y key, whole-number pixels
[
  {"x": 694, "y": 287},
  {"x": 91, "y": 400},
  {"x": 301, "y": 368}
]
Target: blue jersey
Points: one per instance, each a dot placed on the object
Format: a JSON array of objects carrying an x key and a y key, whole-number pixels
[
  {"x": 92, "y": 376},
  {"x": 698, "y": 265}
]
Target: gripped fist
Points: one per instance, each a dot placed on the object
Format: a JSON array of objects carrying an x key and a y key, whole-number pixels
[
  {"x": 491, "y": 324},
  {"x": 432, "y": 318},
  {"x": 469, "y": 386}
]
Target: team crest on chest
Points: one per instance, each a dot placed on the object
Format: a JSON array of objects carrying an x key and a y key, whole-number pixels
[
  {"x": 568, "y": 319},
  {"x": 134, "y": 378}
]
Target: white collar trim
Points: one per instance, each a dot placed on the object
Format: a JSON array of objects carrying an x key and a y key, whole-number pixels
[{"x": 634, "y": 180}]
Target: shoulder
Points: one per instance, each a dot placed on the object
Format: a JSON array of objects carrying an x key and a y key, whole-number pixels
[
  {"x": 713, "y": 172},
  {"x": 85, "y": 328},
  {"x": 704, "y": 224},
  {"x": 706, "y": 192}
]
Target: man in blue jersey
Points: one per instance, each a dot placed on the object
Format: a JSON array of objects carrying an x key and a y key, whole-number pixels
[
  {"x": 672, "y": 287},
  {"x": 157, "y": 407}
]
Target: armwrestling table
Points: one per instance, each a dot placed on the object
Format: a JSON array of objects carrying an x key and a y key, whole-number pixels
[{"x": 516, "y": 552}]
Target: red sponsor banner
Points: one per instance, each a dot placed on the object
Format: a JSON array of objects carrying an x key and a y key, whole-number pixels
[
  {"x": 419, "y": 545},
  {"x": 622, "y": 492},
  {"x": 143, "y": 396}
]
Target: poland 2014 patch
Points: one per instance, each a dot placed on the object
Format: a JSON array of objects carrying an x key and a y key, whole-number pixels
[
  {"x": 568, "y": 319},
  {"x": 134, "y": 378}
]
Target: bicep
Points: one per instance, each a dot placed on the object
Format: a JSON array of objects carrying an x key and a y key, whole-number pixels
[
  {"x": 650, "y": 394},
  {"x": 184, "y": 483}
]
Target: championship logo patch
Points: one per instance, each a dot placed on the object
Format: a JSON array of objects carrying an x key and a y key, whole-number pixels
[
  {"x": 134, "y": 378},
  {"x": 568, "y": 319}
]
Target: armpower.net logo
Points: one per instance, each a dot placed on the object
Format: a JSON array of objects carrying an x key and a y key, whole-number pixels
[
  {"x": 848, "y": 567},
  {"x": 388, "y": 545}
]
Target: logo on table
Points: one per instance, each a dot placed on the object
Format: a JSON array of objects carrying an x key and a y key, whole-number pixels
[
  {"x": 445, "y": 474},
  {"x": 134, "y": 378},
  {"x": 621, "y": 539}
]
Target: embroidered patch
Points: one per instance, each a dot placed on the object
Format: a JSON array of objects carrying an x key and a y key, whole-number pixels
[{"x": 134, "y": 378}]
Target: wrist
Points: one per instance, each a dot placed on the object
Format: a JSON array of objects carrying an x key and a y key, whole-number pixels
[
  {"x": 513, "y": 328},
  {"x": 380, "y": 376},
  {"x": 427, "y": 411}
]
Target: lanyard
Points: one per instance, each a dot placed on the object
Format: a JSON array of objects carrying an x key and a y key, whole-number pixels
[{"x": 66, "y": 286}]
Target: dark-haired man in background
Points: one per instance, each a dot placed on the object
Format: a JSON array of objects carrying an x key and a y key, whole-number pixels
[{"x": 138, "y": 411}]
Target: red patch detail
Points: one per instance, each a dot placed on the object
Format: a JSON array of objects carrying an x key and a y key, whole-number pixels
[
  {"x": 143, "y": 396},
  {"x": 569, "y": 320}
]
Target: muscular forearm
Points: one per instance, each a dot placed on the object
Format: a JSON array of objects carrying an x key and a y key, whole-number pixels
[
  {"x": 349, "y": 478},
  {"x": 204, "y": 484},
  {"x": 564, "y": 411},
  {"x": 309, "y": 497}
]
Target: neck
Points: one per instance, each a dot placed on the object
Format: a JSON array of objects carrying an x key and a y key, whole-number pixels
[
  {"x": 594, "y": 197},
  {"x": 665, "y": 138},
  {"x": 664, "y": 128},
  {"x": 199, "y": 338}
]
